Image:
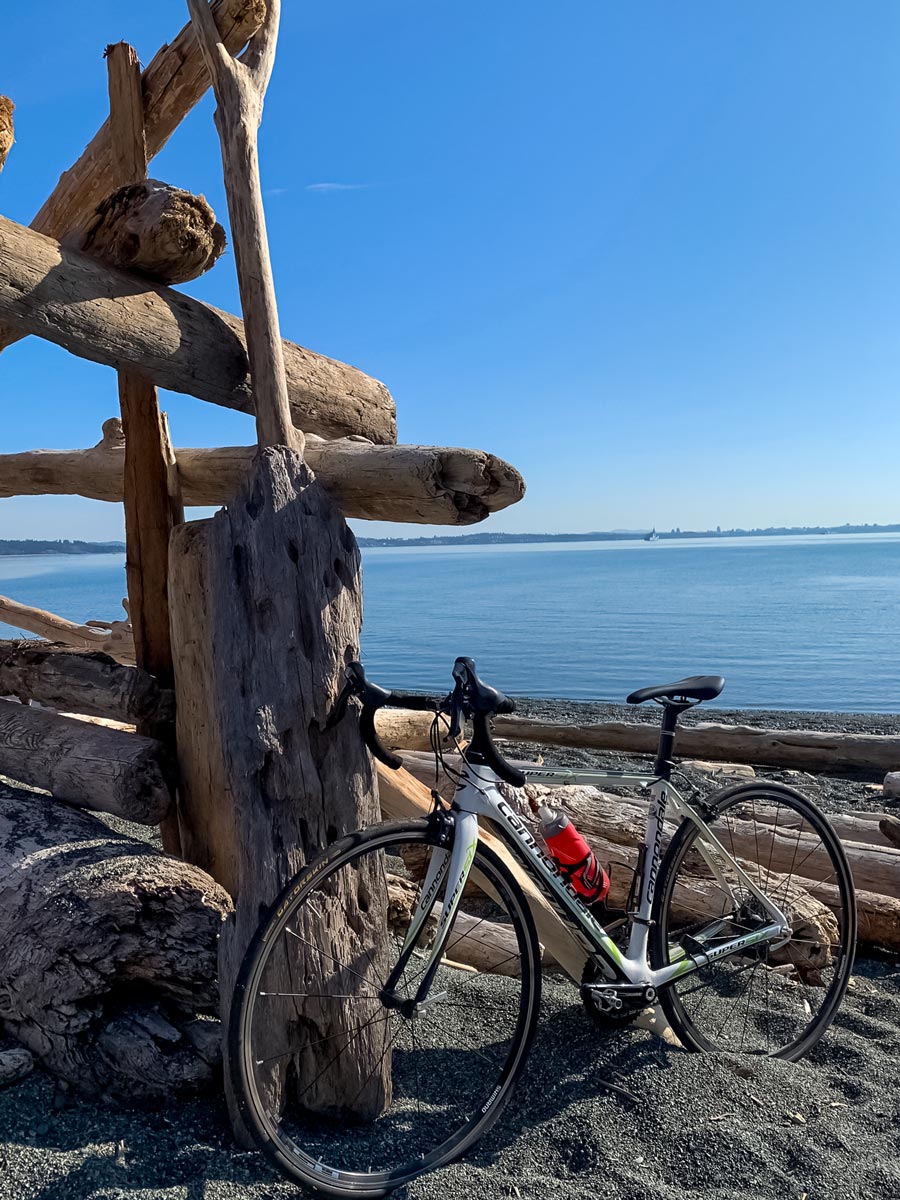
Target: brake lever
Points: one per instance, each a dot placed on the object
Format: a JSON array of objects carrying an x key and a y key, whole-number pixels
[{"x": 339, "y": 711}]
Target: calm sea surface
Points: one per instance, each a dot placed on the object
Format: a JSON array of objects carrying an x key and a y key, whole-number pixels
[{"x": 802, "y": 623}]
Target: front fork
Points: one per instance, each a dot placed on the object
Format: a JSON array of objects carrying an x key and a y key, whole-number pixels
[{"x": 452, "y": 866}]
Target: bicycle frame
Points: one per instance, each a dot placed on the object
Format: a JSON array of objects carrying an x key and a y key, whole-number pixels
[{"x": 478, "y": 796}]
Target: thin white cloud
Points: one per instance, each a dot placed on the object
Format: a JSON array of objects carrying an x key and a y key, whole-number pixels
[
  {"x": 336, "y": 187},
  {"x": 276, "y": 191}
]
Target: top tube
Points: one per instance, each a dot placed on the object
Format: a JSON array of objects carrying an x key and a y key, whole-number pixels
[{"x": 563, "y": 775}]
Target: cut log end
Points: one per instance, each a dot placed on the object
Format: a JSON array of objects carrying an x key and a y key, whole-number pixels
[
  {"x": 164, "y": 233},
  {"x": 6, "y": 128}
]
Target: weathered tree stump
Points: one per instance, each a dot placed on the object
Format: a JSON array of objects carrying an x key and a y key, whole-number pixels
[
  {"x": 153, "y": 229},
  {"x": 266, "y": 608},
  {"x": 107, "y": 953}
]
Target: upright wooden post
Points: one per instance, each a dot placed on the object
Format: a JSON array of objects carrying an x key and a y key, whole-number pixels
[
  {"x": 240, "y": 87},
  {"x": 267, "y": 607},
  {"x": 152, "y": 497}
]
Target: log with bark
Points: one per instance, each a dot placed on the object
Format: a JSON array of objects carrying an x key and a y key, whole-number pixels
[
  {"x": 87, "y": 682},
  {"x": 434, "y": 485},
  {"x": 112, "y": 637},
  {"x": 88, "y": 765},
  {"x": 801, "y": 749},
  {"x": 179, "y": 343},
  {"x": 154, "y": 230},
  {"x": 6, "y": 128},
  {"x": 107, "y": 954}
]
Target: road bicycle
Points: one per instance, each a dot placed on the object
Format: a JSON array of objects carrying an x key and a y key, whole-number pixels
[{"x": 386, "y": 1006}]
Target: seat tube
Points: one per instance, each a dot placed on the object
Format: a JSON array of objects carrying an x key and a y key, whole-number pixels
[{"x": 666, "y": 746}]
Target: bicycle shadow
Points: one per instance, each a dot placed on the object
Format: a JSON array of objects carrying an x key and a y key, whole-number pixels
[{"x": 571, "y": 1061}]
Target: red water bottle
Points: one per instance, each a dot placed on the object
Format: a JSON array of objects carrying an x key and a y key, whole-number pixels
[{"x": 573, "y": 855}]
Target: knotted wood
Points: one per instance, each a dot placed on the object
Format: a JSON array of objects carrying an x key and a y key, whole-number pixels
[
  {"x": 155, "y": 230},
  {"x": 107, "y": 954}
]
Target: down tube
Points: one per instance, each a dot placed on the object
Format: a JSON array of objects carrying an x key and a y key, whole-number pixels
[{"x": 590, "y": 935}]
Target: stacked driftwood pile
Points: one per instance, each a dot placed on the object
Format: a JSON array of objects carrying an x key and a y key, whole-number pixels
[
  {"x": 246, "y": 620},
  {"x": 107, "y": 947}
]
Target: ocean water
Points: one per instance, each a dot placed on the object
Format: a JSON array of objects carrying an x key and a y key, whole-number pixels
[{"x": 793, "y": 623}]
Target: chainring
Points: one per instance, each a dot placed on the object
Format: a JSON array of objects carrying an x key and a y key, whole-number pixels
[{"x": 605, "y": 1018}]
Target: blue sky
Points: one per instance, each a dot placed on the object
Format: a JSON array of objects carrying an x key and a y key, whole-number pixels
[{"x": 650, "y": 253}]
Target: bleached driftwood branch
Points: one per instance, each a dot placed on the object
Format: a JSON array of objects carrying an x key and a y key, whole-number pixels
[
  {"x": 435, "y": 485},
  {"x": 113, "y": 637},
  {"x": 240, "y": 88}
]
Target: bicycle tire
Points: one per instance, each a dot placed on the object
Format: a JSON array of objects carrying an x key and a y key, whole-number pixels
[
  {"x": 304, "y": 1169},
  {"x": 660, "y": 948}
]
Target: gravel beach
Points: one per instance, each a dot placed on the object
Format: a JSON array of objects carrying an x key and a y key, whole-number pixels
[{"x": 700, "y": 1126}]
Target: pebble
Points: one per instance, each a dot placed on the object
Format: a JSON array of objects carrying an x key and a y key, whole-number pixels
[{"x": 15, "y": 1064}]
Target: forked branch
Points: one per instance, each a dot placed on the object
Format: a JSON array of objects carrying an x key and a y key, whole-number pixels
[{"x": 239, "y": 88}]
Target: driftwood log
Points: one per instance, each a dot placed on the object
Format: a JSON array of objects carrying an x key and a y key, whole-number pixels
[
  {"x": 172, "y": 84},
  {"x": 113, "y": 637},
  {"x": 433, "y": 485},
  {"x": 107, "y": 954},
  {"x": 88, "y": 682},
  {"x": 85, "y": 764},
  {"x": 154, "y": 230},
  {"x": 6, "y": 128},
  {"x": 803, "y": 750},
  {"x": 179, "y": 343}
]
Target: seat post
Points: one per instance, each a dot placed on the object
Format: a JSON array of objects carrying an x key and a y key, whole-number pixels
[{"x": 672, "y": 710}]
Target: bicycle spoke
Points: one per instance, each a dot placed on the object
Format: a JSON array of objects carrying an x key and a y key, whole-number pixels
[{"x": 774, "y": 996}]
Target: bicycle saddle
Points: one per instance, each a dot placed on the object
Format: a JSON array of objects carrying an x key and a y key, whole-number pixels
[{"x": 696, "y": 688}]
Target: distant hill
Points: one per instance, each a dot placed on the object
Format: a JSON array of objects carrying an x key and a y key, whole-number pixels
[
  {"x": 60, "y": 547},
  {"x": 618, "y": 535}
]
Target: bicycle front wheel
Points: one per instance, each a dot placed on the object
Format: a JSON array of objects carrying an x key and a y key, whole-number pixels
[
  {"x": 777, "y": 997},
  {"x": 342, "y": 1091}
]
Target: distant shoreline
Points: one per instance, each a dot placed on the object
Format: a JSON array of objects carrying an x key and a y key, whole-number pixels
[
  {"x": 618, "y": 535},
  {"x": 57, "y": 548},
  {"x": 15, "y": 549}
]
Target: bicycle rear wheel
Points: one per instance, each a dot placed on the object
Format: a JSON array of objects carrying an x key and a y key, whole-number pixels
[
  {"x": 775, "y": 998},
  {"x": 342, "y": 1092}
]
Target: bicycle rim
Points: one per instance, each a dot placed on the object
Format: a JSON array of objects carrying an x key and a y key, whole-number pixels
[
  {"x": 776, "y": 998},
  {"x": 342, "y": 1092}
]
